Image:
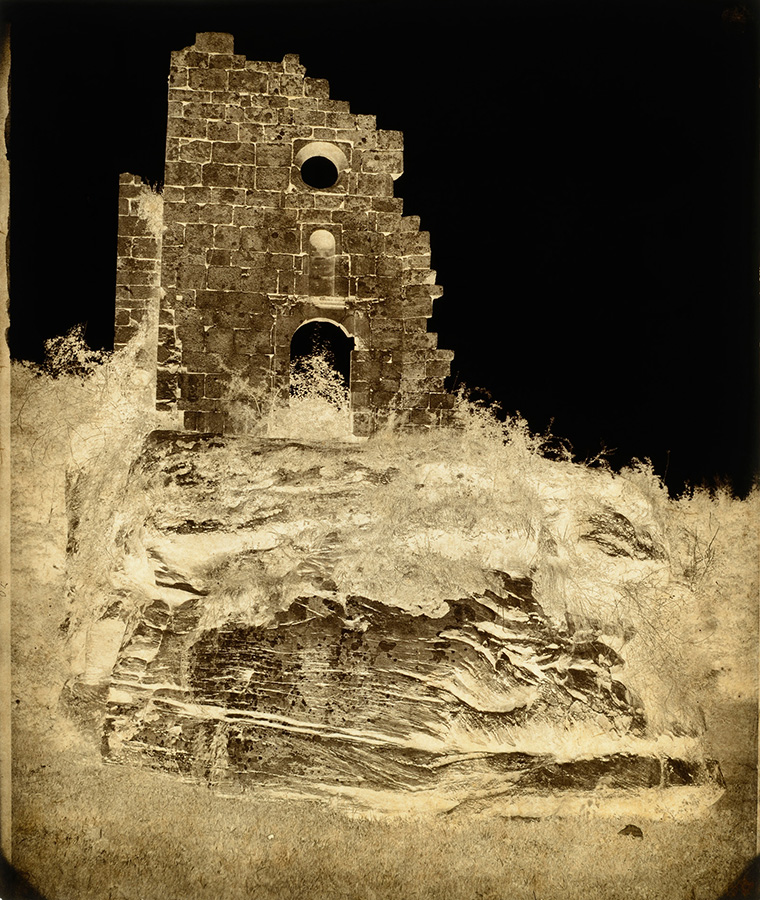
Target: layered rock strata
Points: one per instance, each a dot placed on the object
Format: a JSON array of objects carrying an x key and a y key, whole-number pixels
[{"x": 243, "y": 655}]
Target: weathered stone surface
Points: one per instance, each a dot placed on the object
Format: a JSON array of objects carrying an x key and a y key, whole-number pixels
[
  {"x": 357, "y": 688},
  {"x": 243, "y": 646}
]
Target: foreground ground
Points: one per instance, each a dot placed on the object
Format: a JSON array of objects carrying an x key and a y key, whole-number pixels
[
  {"x": 84, "y": 831},
  {"x": 87, "y": 831}
]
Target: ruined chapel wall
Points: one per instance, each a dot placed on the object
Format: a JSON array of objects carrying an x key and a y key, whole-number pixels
[
  {"x": 138, "y": 257},
  {"x": 238, "y": 269}
]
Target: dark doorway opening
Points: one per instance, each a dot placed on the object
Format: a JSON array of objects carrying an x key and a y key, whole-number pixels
[{"x": 322, "y": 339}]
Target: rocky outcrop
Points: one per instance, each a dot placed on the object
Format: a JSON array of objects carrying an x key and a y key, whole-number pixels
[{"x": 242, "y": 656}]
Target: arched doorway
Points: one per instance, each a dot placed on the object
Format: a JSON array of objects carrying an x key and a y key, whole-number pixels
[{"x": 319, "y": 348}]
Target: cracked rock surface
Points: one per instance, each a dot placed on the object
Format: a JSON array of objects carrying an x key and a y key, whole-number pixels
[{"x": 252, "y": 637}]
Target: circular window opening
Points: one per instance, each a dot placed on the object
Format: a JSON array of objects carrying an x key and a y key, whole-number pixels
[{"x": 319, "y": 172}]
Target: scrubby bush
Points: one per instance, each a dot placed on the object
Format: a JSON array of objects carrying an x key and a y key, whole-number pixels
[{"x": 69, "y": 354}]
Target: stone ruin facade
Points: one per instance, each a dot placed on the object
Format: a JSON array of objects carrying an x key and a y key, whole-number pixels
[{"x": 278, "y": 211}]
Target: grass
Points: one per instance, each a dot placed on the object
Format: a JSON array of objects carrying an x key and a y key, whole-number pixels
[
  {"x": 91, "y": 833},
  {"x": 85, "y": 831}
]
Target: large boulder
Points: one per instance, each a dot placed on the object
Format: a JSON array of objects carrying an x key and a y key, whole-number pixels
[{"x": 247, "y": 631}]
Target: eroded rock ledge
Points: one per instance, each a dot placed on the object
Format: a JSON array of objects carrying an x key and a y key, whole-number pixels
[{"x": 242, "y": 658}]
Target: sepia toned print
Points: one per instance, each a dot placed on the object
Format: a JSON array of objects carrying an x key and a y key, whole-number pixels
[{"x": 294, "y": 614}]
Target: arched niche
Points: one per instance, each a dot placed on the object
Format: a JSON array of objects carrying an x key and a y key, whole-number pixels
[{"x": 321, "y": 263}]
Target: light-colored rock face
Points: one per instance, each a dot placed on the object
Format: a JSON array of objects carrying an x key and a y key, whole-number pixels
[{"x": 347, "y": 615}]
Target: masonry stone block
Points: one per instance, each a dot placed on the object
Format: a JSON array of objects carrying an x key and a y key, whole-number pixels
[
  {"x": 414, "y": 324},
  {"x": 133, "y": 226},
  {"x": 258, "y": 115},
  {"x": 198, "y": 236},
  {"x": 316, "y": 87},
  {"x": 193, "y": 337},
  {"x": 136, "y": 295},
  {"x": 220, "y": 175},
  {"x": 210, "y": 110},
  {"x": 389, "y": 140},
  {"x": 183, "y": 173},
  {"x": 217, "y": 214},
  {"x": 382, "y": 399},
  {"x": 232, "y": 111},
  {"x": 166, "y": 386},
  {"x": 174, "y": 235},
  {"x": 366, "y": 286},
  {"x": 195, "y": 151},
  {"x": 123, "y": 334},
  {"x": 252, "y": 238},
  {"x": 129, "y": 276},
  {"x": 226, "y": 237},
  {"x": 207, "y": 79},
  {"x": 163, "y": 357},
  {"x": 375, "y": 185},
  {"x": 390, "y": 385},
  {"x": 225, "y": 61},
  {"x": 224, "y": 278},
  {"x": 191, "y": 387},
  {"x": 442, "y": 401},
  {"x": 393, "y": 205},
  {"x": 222, "y": 131},
  {"x": 291, "y": 64},
  {"x": 233, "y": 152},
  {"x": 218, "y": 258},
  {"x": 214, "y": 42},
  {"x": 198, "y": 361},
  {"x": 130, "y": 189},
  {"x": 193, "y": 194},
  {"x": 386, "y": 223},
  {"x": 245, "y": 81},
  {"x": 415, "y": 400},
  {"x": 179, "y": 127},
  {"x": 190, "y": 275},
  {"x": 390, "y": 267},
  {"x": 437, "y": 368},
  {"x": 190, "y": 57},
  {"x": 362, "y": 265},
  {"x": 262, "y": 280},
  {"x": 291, "y": 86},
  {"x": 273, "y": 178},
  {"x": 232, "y": 196},
  {"x": 145, "y": 248},
  {"x": 416, "y": 307},
  {"x": 383, "y": 162}
]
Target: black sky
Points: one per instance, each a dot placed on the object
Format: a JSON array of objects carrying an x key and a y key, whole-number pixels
[{"x": 587, "y": 171}]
